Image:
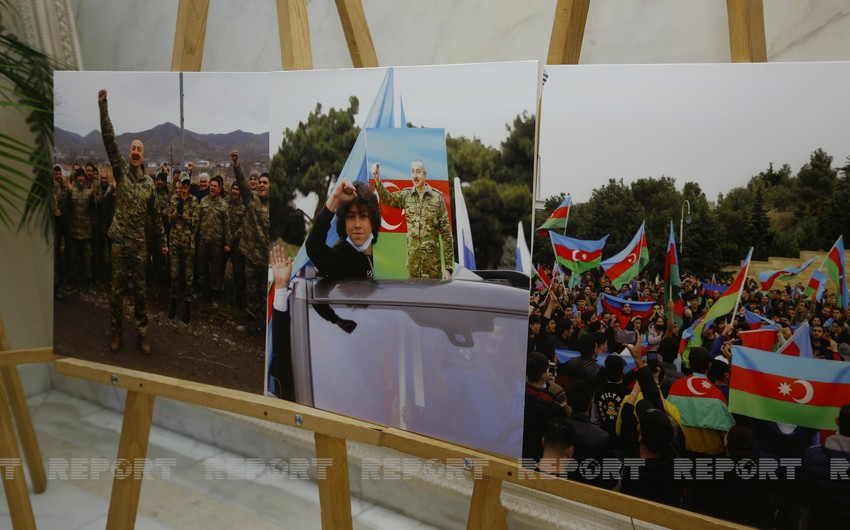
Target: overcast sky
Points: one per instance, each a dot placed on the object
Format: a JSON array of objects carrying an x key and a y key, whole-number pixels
[
  {"x": 716, "y": 124},
  {"x": 213, "y": 102},
  {"x": 467, "y": 100}
]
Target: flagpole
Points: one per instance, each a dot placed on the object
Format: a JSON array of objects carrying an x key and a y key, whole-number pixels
[{"x": 745, "y": 271}]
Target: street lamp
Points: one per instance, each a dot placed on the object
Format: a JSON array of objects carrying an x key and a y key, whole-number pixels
[{"x": 682, "y": 225}]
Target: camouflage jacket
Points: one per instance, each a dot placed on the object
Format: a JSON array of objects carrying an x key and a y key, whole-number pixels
[
  {"x": 236, "y": 210},
  {"x": 82, "y": 212},
  {"x": 163, "y": 204},
  {"x": 105, "y": 203},
  {"x": 135, "y": 193},
  {"x": 427, "y": 221},
  {"x": 60, "y": 194},
  {"x": 214, "y": 221},
  {"x": 183, "y": 229},
  {"x": 254, "y": 244}
]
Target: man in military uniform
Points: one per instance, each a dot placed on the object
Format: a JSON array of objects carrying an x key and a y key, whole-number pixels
[
  {"x": 427, "y": 220},
  {"x": 104, "y": 198},
  {"x": 91, "y": 175},
  {"x": 163, "y": 209},
  {"x": 236, "y": 211},
  {"x": 60, "y": 227},
  {"x": 81, "y": 218},
  {"x": 254, "y": 180},
  {"x": 134, "y": 199},
  {"x": 183, "y": 219},
  {"x": 254, "y": 245},
  {"x": 214, "y": 240}
]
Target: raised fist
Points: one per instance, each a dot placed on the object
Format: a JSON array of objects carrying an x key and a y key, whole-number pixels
[{"x": 101, "y": 95}]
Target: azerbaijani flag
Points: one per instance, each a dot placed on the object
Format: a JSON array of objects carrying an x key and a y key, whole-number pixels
[
  {"x": 465, "y": 248},
  {"x": 672, "y": 280},
  {"x": 543, "y": 288},
  {"x": 558, "y": 219},
  {"x": 577, "y": 255},
  {"x": 768, "y": 278},
  {"x": 700, "y": 403},
  {"x": 784, "y": 389},
  {"x": 760, "y": 339},
  {"x": 523, "y": 256},
  {"x": 816, "y": 286},
  {"x": 615, "y": 305},
  {"x": 835, "y": 268},
  {"x": 711, "y": 288},
  {"x": 725, "y": 304},
  {"x": 623, "y": 267},
  {"x": 799, "y": 344},
  {"x": 755, "y": 321}
]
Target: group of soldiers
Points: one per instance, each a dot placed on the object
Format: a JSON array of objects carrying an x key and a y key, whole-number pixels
[{"x": 131, "y": 223}]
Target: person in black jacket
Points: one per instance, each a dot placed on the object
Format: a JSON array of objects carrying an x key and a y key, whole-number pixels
[
  {"x": 358, "y": 221},
  {"x": 825, "y": 488}
]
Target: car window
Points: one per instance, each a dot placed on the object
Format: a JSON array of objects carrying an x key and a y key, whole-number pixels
[{"x": 448, "y": 373}]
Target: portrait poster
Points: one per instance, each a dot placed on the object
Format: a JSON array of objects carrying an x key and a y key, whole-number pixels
[
  {"x": 352, "y": 332},
  {"x": 398, "y": 153},
  {"x": 146, "y": 277}
]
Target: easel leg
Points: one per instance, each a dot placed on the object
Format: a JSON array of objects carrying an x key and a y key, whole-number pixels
[
  {"x": 129, "y": 468},
  {"x": 23, "y": 420},
  {"x": 485, "y": 510},
  {"x": 14, "y": 482},
  {"x": 334, "y": 488}
]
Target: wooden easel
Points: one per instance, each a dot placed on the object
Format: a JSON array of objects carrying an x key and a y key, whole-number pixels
[
  {"x": 13, "y": 403},
  {"x": 331, "y": 431}
]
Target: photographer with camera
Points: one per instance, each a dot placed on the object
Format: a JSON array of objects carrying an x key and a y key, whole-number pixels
[{"x": 183, "y": 218}]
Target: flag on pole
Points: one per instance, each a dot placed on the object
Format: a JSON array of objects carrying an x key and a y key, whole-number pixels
[
  {"x": 542, "y": 287},
  {"x": 465, "y": 250},
  {"x": 837, "y": 272},
  {"x": 523, "y": 256},
  {"x": 711, "y": 288},
  {"x": 785, "y": 389},
  {"x": 727, "y": 303},
  {"x": 623, "y": 267},
  {"x": 672, "y": 279},
  {"x": 768, "y": 278},
  {"x": 815, "y": 286},
  {"x": 577, "y": 255},
  {"x": 799, "y": 344},
  {"x": 558, "y": 219}
]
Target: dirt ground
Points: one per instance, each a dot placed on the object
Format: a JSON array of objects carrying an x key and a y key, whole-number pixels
[{"x": 207, "y": 350}]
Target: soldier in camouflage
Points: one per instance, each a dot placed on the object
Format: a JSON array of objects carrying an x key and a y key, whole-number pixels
[
  {"x": 236, "y": 211},
  {"x": 183, "y": 218},
  {"x": 134, "y": 200},
  {"x": 81, "y": 217},
  {"x": 427, "y": 221},
  {"x": 163, "y": 208},
  {"x": 214, "y": 240},
  {"x": 254, "y": 246},
  {"x": 60, "y": 227},
  {"x": 104, "y": 198}
]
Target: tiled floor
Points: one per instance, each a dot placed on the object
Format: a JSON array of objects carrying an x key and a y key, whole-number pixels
[{"x": 79, "y": 433}]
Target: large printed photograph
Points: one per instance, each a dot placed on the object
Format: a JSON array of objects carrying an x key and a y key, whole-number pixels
[
  {"x": 161, "y": 245},
  {"x": 689, "y": 293},
  {"x": 399, "y": 198}
]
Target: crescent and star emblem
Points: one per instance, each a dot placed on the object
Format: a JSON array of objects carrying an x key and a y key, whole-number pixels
[
  {"x": 384, "y": 224},
  {"x": 691, "y": 387},
  {"x": 785, "y": 390},
  {"x": 631, "y": 258}
]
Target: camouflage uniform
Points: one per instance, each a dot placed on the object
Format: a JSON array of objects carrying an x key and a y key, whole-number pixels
[
  {"x": 60, "y": 229},
  {"x": 236, "y": 211},
  {"x": 213, "y": 236},
  {"x": 134, "y": 202},
  {"x": 254, "y": 245},
  {"x": 81, "y": 220},
  {"x": 104, "y": 198},
  {"x": 427, "y": 220},
  {"x": 163, "y": 208},
  {"x": 183, "y": 245}
]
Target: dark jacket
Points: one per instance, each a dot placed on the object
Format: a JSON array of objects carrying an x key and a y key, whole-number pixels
[
  {"x": 828, "y": 497},
  {"x": 540, "y": 407}
]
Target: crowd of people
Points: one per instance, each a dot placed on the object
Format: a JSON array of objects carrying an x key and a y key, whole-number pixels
[
  {"x": 124, "y": 223},
  {"x": 584, "y": 418}
]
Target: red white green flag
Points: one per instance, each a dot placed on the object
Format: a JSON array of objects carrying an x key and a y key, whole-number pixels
[
  {"x": 786, "y": 389},
  {"x": 558, "y": 219},
  {"x": 623, "y": 267}
]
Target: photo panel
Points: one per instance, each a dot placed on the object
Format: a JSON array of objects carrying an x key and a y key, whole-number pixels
[
  {"x": 683, "y": 168},
  {"x": 161, "y": 254},
  {"x": 439, "y": 351}
]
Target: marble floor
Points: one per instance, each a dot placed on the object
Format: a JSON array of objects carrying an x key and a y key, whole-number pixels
[{"x": 78, "y": 441}]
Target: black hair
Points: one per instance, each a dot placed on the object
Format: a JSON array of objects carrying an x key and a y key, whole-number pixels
[
  {"x": 90, "y": 164},
  {"x": 162, "y": 176},
  {"x": 365, "y": 199},
  {"x": 844, "y": 420},
  {"x": 579, "y": 395},
  {"x": 559, "y": 434},
  {"x": 614, "y": 366},
  {"x": 587, "y": 345},
  {"x": 699, "y": 360},
  {"x": 218, "y": 179},
  {"x": 535, "y": 365},
  {"x": 668, "y": 349}
]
